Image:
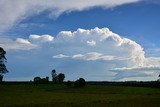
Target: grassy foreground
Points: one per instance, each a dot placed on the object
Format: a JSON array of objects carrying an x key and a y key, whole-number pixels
[{"x": 59, "y": 95}]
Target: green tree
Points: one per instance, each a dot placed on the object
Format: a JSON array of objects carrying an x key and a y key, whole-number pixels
[
  {"x": 80, "y": 82},
  {"x": 54, "y": 76},
  {"x": 3, "y": 59},
  {"x": 60, "y": 77}
]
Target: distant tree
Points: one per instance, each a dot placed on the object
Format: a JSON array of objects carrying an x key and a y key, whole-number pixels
[
  {"x": 44, "y": 80},
  {"x": 47, "y": 78},
  {"x": 60, "y": 77},
  {"x": 80, "y": 82},
  {"x": 37, "y": 79},
  {"x": 3, "y": 68},
  {"x": 54, "y": 76},
  {"x": 68, "y": 83},
  {"x": 41, "y": 80},
  {"x": 159, "y": 77}
]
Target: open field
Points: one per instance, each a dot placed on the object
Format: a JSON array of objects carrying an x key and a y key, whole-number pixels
[{"x": 59, "y": 95}]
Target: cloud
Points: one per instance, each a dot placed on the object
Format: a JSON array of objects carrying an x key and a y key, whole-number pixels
[
  {"x": 60, "y": 56},
  {"x": 33, "y": 42},
  {"x": 42, "y": 38},
  {"x": 114, "y": 56},
  {"x": 92, "y": 56},
  {"x": 107, "y": 43},
  {"x": 22, "y": 41},
  {"x": 18, "y": 44},
  {"x": 13, "y": 12},
  {"x": 89, "y": 56},
  {"x": 91, "y": 43},
  {"x": 147, "y": 71},
  {"x": 148, "y": 68}
]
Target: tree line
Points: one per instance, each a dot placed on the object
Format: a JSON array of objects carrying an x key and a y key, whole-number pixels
[{"x": 59, "y": 78}]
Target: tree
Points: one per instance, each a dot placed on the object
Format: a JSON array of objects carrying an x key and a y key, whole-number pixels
[
  {"x": 3, "y": 68},
  {"x": 80, "y": 82},
  {"x": 41, "y": 80},
  {"x": 69, "y": 83},
  {"x": 54, "y": 76},
  {"x": 57, "y": 78},
  {"x": 60, "y": 77},
  {"x": 159, "y": 77},
  {"x": 37, "y": 79}
]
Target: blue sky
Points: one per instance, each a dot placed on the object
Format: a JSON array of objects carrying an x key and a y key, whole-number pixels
[{"x": 136, "y": 20}]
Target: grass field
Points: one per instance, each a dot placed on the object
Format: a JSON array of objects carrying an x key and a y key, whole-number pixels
[{"x": 59, "y": 95}]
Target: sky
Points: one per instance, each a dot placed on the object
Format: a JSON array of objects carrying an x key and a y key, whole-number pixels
[{"x": 98, "y": 40}]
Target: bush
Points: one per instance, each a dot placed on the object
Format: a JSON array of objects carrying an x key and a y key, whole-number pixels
[
  {"x": 60, "y": 77},
  {"x": 41, "y": 80},
  {"x": 37, "y": 79},
  {"x": 80, "y": 82},
  {"x": 68, "y": 83}
]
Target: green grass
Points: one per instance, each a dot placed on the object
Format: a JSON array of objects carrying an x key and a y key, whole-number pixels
[{"x": 59, "y": 95}]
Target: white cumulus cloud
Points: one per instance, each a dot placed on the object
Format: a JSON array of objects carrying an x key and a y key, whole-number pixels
[
  {"x": 22, "y": 41},
  {"x": 18, "y": 44},
  {"x": 42, "y": 38}
]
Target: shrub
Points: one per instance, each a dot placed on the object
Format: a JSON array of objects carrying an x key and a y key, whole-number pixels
[
  {"x": 60, "y": 77},
  {"x": 80, "y": 82},
  {"x": 69, "y": 83},
  {"x": 37, "y": 79}
]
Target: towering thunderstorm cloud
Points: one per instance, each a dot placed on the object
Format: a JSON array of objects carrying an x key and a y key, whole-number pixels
[{"x": 94, "y": 54}]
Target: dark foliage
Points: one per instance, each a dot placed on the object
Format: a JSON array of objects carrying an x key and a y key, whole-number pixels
[
  {"x": 151, "y": 84},
  {"x": 47, "y": 78},
  {"x": 54, "y": 76},
  {"x": 3, "y": 68},
  {"x": 1, "y": 78},
  {"x": 69, "y": 83},
  {"x": 41, "y": 80},
  {"x": 80, "y": 82},
  {"x": 2, "y": 54},
  {"x": 37, "y": 79},
  {"x": 60, "y": 77},
  {"x": 57, "y": 78}
]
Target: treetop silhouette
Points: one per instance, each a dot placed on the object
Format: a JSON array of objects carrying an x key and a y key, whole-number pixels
[{"x": 3, "y": 59}]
